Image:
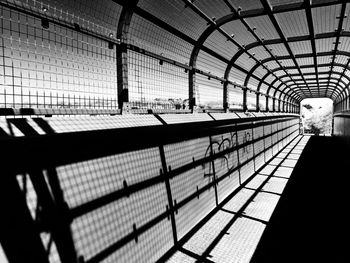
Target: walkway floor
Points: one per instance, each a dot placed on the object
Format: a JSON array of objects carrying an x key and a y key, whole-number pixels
[
  {"x": 282, "y": 215},
  {"x": 311, "y": 221}
]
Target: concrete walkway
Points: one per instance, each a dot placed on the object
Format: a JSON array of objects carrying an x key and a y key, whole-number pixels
[
  {"x": 311, "y": 221},
  {"x": 233, "y": 233}
]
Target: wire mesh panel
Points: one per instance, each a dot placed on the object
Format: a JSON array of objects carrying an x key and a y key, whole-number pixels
[
  {"x": 234, "y": 97},
  {"x": 190, "y": 182},
  {"x": 129, "y": 206},
  {"x": 262, "y": 103},
  {"x": 225, "y": 165},
  {"x": 185, "y": 185},
  {"x": 144, "y": 34},
  {"x": 102, "y": 20},
  {"x": 207, "y": 63},
  {"x": 251, "y": 100},
  {"x": 268, "y": 142},
  {"x": 153, "y": 84},
  {"x": 53, "y": 66},
  {"x": 209, "y": 92}
]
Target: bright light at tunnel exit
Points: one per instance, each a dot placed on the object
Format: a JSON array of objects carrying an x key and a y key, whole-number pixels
[{"x": 316, "y": 114}]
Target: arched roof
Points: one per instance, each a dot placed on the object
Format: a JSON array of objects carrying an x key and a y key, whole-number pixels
[
  {"x": 281, "y": 45},
  {"x": 290, "y": 49}
]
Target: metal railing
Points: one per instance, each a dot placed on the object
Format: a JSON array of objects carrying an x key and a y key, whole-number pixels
[{"x": 130, "y": 194}]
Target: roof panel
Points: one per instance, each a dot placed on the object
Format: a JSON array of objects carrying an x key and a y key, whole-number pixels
[
  {"x": 301, "y": 47},
  {"x": 325, "y": 44},
  {"x": 323, "y": 69},
  {"x": 346, "y": 22},
  {"x": 253, "y": 84},
  {"x": 275, "y": 3},
  {"x": 305, "y": 61},
  {"x": 272, "y": 64},
  {"x": 245, "y": 62},
  {"x": 237, "y": 76},
  {"x": 260, "y": 52},
  {"x": 277, "y": 83},
  {"x": 264, "y": 27},
  {"x": 322, "y": 60},
  {"x": 169, "y": 11},
  {"x": 240, "y": 32},
  {"x": 323, "y": 75},
  {"x": 341, "y": 59},
  {"x": 146, "y": 35},
  {"x": 324, "y": 18},
  {"x": 213, "y": 8},
  {"x": 247, "y": 4},
  {"x": 344, "y": 43},
  {"x": 210, "y": 64},
  {"x": 263, "y": 88},
  {"x": 309, "y": 77},
  {"x": 278, "y": 49},
  {"x": 287, "y": 62},
  {"x": 338, "y": 69},
  {"x": 218, "y": 43},
  {"x": 336, "y": 76},
  {"x": 307, "y": 70},
  {"x": 293, "y": 23},
  {"x": 292, "y": 71},
  {"x": 270, "y": 78},
  {"x": 347, "y": 73},
  {"x": 260, "y": 72}
]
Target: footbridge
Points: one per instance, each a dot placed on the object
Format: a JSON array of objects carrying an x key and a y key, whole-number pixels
[{"x": 171, "y": 131}]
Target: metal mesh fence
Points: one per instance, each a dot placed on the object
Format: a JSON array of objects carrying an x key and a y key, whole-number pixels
[
  {"x": 155, "y": 84},
  {"x": 128, "y": 206},
  {"x": 53, "y": 67}
]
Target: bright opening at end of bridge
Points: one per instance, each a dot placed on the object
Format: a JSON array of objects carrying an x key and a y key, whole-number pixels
[{"x": 316, "y": 115}]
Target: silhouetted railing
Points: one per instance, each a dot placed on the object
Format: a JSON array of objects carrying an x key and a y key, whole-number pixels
[{"x": 84, "y": 190}]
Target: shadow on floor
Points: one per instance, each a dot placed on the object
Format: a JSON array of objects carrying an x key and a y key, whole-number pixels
[{"x": 311, "y": 221}]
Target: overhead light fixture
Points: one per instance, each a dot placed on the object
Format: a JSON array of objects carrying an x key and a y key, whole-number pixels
[
  {"x": 110, "y": 35},
  {"x": 45, "y": 9}
]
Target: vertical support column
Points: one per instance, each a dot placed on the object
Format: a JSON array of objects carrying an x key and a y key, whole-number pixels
[
  {"x": 191, "y": 89},
  {"x": 273, "y": 104},
  {"x": 267, "y": 103},
  {"x": 245, "y": 108},
  {"x": 257, "y": 102},
  {"x": 225, "y": 96},
  {"x": 122, "y": 75},
  {"x": 279, "y": 105},
  {"x": 122, "y": 54}
]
